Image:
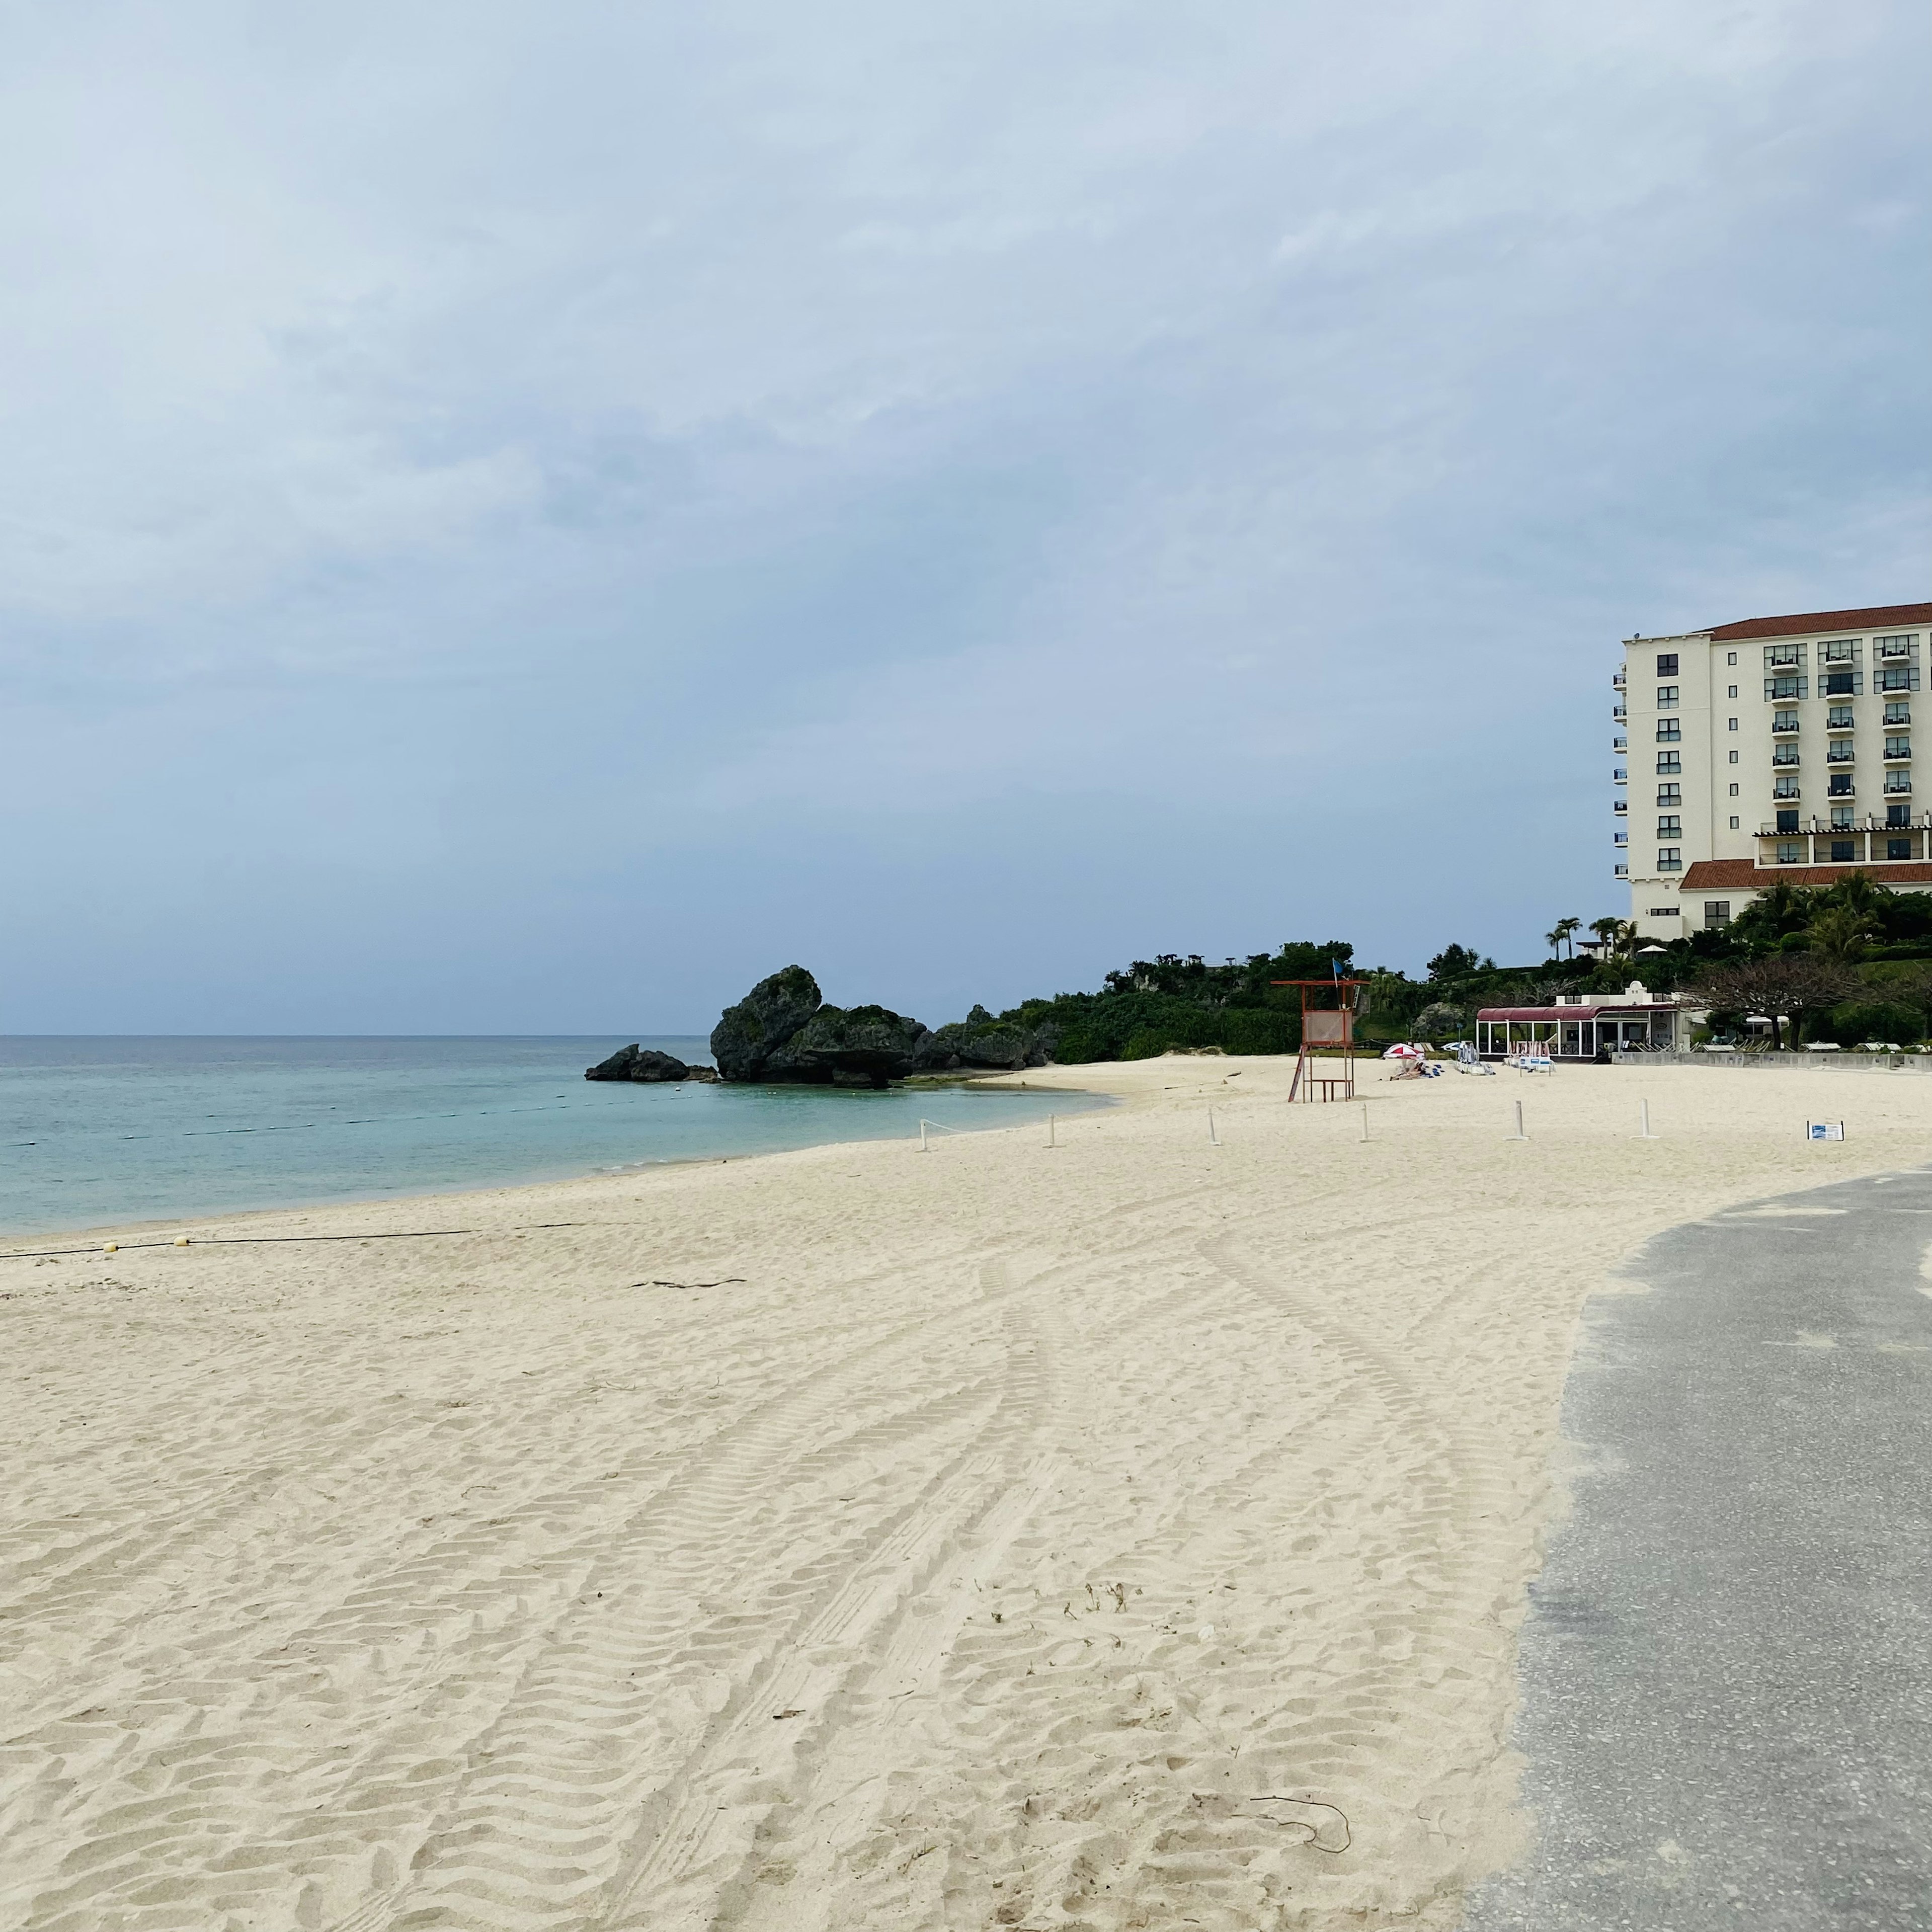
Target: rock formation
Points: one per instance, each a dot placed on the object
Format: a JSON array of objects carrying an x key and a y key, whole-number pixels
[
  {"x": 645, "y": 1064},
  {"x": 745, "y": 1039},
  {"x": 782, "y": 1030}
]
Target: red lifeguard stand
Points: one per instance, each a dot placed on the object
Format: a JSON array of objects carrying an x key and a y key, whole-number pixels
[{"x": 1325, "y": 1026}]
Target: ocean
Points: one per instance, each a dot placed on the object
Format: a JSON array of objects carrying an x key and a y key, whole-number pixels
[{"x": 100, "y": 1130}]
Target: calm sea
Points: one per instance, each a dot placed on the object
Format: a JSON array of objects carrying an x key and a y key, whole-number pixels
[{"x": 97, "y": 1131}]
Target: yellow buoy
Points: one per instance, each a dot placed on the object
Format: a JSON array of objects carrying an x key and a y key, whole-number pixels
[
  {"x": 110, "y": 1247},
  {"x": 180, "y": 1240}
]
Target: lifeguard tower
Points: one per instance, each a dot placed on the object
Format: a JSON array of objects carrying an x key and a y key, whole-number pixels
[{"x": 1326, "y": 1026}]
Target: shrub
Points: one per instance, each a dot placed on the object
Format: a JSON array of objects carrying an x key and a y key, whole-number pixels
[{"x": 1860, "y": 1020}]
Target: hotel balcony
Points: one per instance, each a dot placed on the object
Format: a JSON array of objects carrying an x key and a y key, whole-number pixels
[
  {"x": 1838, "y": 654},
  {"x": 1620, "y": 839},
  {"x": 1619, "y": 713},
  {"x": 1810, "y": 825},
  {"x": 1619, "y": 775},
  {"x": 1785, "y": 758},
  {"x": 1784, "y": 728},
  {"x": 1890, "y": 653},
  {"x": 1623, "y": 872},
  {"x": 1898, "y": 784},
  {"x": 1839, "y": 755},
  {"x": 1617, "y": 679},
  {"x": 1620, "y": 744},
  {"x": 1620, "y": 806},
  {"x": 1784, "y": 657}
]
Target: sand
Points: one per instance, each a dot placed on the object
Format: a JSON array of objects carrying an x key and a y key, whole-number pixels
[{"x": 1130, "y": 1534}]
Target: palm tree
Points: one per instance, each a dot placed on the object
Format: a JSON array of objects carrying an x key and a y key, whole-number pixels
[
  {"x": 1839, "y": 931},
  {"x": 1558, "y": 936},
  {"x": 1607, "y": 931}
]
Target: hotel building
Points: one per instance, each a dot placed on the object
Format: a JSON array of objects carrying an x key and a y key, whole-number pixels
[{"x": 1778, "y": 748}]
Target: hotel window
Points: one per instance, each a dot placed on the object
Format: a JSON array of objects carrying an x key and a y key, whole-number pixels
[
  {"x": 1841, "y": 818},
  {"x": 1670, "y": 826},
  {"x": 1734, "y": 722},
  {"x": 1669, "y": 858},
  {"x": 1839, "y": 717},
  {"x": 1785, "y": 785},
  {"x": 1784, "y": 721},
  {"x": 1839, "y": 751},
  {"x": 1895, "y": 677},
  {"x": 1898, "y": 748},
  {"x": 1669, "y": 794},
  {"x": 1666, "y": 665},
  {"x": 1790, "y": 853},
  {"x": 1839, "y": 785},
  {"x": 1669, "y": 761},
  {"x": 1667, "y": 732},
  {"x": 1897, "y": 711},
  {"x": 1667, "y": 912},
  {"x": 1734, "y": 791},
  {"x": 1783, "y": 657},
  {"x": 1666, "y": 697},
  {"x": 1839, "y": 651},
  {"x": 1717, "y": 912},
  {"x": 1897, "y": 780},
  {"x": 1898, "y": 848},
  {"x": 1905, "y": 646},
  {"x": 1781, "y": 690},
  {"x": 1846, "y": 683},
  {"x": 1734, "y": 821},
  {"x": 1898, "y": 815},
  {"x": 1843, "y": 851},
  {"x": 1734, "y": 757},
  {"x": 1730, "y": 657},
  {"x": 1787, "y": 821}
]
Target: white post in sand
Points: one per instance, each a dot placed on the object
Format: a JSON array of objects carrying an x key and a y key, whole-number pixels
[
  {"x": 1643, "y": 1117},
  {"x": 1050, "y": 1123},
  {"x": 1365, "y": 1119},
  {"x": 1518, "y": 1134},
  {"x": 1212, "y": 1135},
  {"x": 922, "y": 1146}
]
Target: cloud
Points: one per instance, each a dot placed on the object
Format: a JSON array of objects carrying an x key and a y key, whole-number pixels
[{"x": 630, "y": 444}]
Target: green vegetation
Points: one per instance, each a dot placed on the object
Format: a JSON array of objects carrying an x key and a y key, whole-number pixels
[
  {"x": 1851, "y": 962},
  {"x": 1180, "y": 1003}
]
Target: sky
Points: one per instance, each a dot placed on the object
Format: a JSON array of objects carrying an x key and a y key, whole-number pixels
[{"x": 521, "y": 519}]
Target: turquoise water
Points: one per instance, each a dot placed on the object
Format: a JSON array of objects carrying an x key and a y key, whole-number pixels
[{"x": 98, "y": 1131}]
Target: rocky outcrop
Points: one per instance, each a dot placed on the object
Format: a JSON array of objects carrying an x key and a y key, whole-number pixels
[
  {"x": 645, "y": 1064},
  {"x": 748, "y": 1035},
  {"x": 782, "y": 1029},
  {"x": 850, "y": 1046},
  {"x": 980, "y": 1040}
]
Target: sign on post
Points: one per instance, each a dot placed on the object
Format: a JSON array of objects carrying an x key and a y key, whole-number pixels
[{"x": 1824, "y": 1130}]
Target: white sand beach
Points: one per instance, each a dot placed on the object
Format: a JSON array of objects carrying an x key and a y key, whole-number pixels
[{"x": 1127, "y": 1534}]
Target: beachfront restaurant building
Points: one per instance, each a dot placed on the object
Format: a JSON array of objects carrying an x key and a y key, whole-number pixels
[{"x": 1576, "y": 1029}]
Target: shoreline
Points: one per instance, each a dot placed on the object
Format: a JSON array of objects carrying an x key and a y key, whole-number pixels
[
  {"x": 109, "y": 1230},
  {"x": 854, "y": 1536}
]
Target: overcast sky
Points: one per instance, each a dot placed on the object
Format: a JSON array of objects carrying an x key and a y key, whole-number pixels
[{"x": 528, "y": 518}]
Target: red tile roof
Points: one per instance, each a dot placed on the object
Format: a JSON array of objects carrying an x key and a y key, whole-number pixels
[
  {"x": 1742, "y": 875},
  {"x": 1878, "y": 617}
]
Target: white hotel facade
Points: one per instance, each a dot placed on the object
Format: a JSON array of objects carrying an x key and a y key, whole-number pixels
[{"x": 1778, "y": 748}]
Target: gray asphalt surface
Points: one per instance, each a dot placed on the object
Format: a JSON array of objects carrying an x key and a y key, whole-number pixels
[{"x": 1727, "y": 1666}]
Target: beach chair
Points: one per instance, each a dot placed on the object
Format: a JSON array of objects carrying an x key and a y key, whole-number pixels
[{"x": 1468, "y": 1060}]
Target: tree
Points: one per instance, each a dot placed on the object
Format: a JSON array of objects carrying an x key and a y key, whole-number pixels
[
  {"x": 1606, "y": 930},
  {"x": 1780, "y": 909},
  {"x": 1786, "y": 985},
  {"x": 1559, "y": 936},
  {"x": 1454, "y": 962},
  {"x": 1839, "y": 931}
]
